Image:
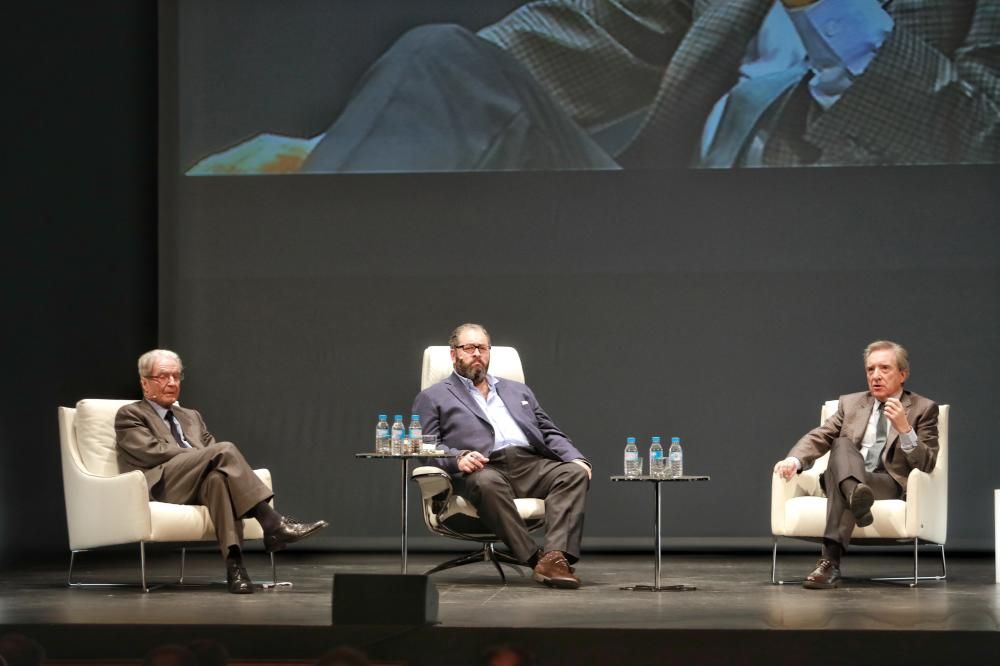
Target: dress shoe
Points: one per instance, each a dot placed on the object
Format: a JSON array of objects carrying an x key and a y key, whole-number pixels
[
  {"x": 861, "y": 501},
  {"x": 237, "y": 579},
  {"x": 825, "y": 576},
  {"x": 290, "y": 531},
  {"x": 553, "y": 570}
]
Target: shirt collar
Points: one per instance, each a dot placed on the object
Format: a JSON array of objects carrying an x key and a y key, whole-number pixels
[
  {"x": 490, "y": 379},
  {"x": 160, "y": 409}
]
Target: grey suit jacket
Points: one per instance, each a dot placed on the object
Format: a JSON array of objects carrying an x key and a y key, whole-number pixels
[
  {"x": 448, "y": 412},
  {"x": 851, "y": 420},
  {"x": 144, "y": 439},
  {"x": 931, "y": 94}
]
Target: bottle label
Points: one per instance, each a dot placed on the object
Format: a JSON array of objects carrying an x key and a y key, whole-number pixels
[
  {"x": 655, "y": 455},
  {"x": 675, "y": 456},
  {"x": 631, "y": 455}
]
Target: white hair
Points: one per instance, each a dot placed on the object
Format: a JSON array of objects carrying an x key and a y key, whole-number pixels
[{"x": 148, "y": 360}]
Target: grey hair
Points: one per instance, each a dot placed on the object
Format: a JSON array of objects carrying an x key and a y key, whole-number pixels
[
  {"x": 148, "y": 360},
  {"x": 453, "y": 340},
  {"x": 902, "y": 356}
]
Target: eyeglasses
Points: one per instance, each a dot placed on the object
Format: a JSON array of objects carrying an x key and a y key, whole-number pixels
[
  {"x": 164, "y": 377},
  {"x": 472, "y": 349}
]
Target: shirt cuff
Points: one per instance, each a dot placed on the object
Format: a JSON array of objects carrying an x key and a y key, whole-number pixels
[
  {"x": 908, "y": 440},
  {"x": 796, "y": 461}
]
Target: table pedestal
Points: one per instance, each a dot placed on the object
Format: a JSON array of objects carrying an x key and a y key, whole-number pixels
[{"x": 656, "y": 587}]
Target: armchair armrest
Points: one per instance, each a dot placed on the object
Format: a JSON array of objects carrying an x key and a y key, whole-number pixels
[
  {"x": 804, "y": 484},
  {"x": 434, "y": 483},
  {"x": 927, "y": 505},
  {"x": 124, "y": 509}
]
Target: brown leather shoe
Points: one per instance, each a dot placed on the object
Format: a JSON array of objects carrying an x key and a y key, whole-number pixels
[
  {"x": 553, "y": 570},
  {"x": 861, "y": 501},
  {"x": 825, "y": 576}
]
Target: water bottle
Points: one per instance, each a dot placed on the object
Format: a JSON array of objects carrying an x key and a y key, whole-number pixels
[
  {"x": 416, "y": 433},
  {"x": 676, "y": 458},
  {"x": 657, "y": 463},
  {"x": 382, "y": 434},
  {"x": 633, "y": 464},
  {"x": 396, "y": 438}
]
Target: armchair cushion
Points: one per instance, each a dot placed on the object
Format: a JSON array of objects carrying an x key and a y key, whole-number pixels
[{"x": 95, "y": 435}]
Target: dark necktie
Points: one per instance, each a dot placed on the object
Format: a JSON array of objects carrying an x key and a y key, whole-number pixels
[
  {"x": 875, "y": 452},
  {"x": 169, "y": 416}
]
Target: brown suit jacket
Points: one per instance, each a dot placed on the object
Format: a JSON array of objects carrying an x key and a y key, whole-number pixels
[
  {"x": 850, "y": 421},
  {"x": 145, "y": 442}
]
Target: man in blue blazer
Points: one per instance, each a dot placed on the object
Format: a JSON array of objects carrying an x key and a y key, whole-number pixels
[{"x": 508, "y": 447}]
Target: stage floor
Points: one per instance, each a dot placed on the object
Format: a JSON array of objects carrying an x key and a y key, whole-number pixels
[{"x": 734, "y": 603}]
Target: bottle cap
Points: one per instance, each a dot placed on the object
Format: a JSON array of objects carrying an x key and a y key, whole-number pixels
[
  {"x": 630, "y": 440},
  {"x": 675, "y": 440},
  {"x": 382, "y": 417},
  {"x": 656, "y": 439},
  {"x": 397, "y": 417},
  {"x": 415, "y": 417}
]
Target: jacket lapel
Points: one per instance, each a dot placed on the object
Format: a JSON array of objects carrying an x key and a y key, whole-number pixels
[
  {"x": 458, "y": 390},
  {"x": 704, "y": 67}
]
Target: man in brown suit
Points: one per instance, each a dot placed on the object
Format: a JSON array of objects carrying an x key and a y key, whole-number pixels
[
  {"x": 875, "y": 439},
  {"x": 184, "y": 464}
]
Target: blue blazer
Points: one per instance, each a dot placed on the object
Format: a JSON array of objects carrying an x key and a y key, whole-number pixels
[{"x": 448, "y": 412}]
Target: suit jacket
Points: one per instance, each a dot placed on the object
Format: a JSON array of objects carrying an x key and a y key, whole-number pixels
[
  {"x": 931, "y": 94},
  {"x": 144, "y": 439},
  {"x": 448, "y": 412},
  {"x": 851, "y": 420}
]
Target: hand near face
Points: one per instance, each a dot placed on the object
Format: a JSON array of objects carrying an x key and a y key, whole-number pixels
[
  {"x": 472, "y": 462},
  {"x": 896, "y": 414}
]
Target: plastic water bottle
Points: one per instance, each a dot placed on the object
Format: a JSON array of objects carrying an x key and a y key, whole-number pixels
[
  {"x": 657, "y": 463},
  {"x": 382, "y": 434},
  {"x": 676, "y": 458},
  {"x": 633, "y": 464},
  {"x": 416, "y": 433},
  {"x": 397, "y": 434}
]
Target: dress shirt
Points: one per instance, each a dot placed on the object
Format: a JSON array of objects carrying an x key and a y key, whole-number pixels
[
  {"x": 506, "y": 432},
  {"x": 162, "y": 411},
  {"x": 907, "y": 440},
  {"x": 836, "y": 39}
]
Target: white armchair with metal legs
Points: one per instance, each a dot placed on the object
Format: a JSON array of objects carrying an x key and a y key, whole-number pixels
[
  {"x": 447, "y": 513},
  {"x": 798, "y": 509},
  {"x": 106, "y": 508}
]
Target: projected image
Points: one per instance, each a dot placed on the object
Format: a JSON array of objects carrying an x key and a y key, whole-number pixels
[{"x": 328, "y": 86}]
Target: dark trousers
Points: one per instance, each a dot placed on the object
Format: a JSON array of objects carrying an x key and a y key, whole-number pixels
[
  {"x": 846, "y": 462},
  {"x": 443, "y": 99},
  {"x": 219, "y": 477},
  {"x": 517, "y": 471}
]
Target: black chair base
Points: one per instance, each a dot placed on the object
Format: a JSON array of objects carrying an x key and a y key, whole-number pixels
[{"x": 488, "y": 553}]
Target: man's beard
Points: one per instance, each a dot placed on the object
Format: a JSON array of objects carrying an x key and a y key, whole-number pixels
[{"x": 474, "y": 373}]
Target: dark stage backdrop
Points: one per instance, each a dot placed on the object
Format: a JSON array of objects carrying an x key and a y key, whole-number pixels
[{"x": 720, "y": 306}]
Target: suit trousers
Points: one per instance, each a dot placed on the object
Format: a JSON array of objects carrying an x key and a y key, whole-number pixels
[
  {"x": 846, "y": 462},
  {"x": 443, "y": 99},
  {"x": 219, "y": 477},
  {"x": 518, "y": 471}
]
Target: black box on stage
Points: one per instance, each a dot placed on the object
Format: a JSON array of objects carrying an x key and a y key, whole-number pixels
[{"x": 384, "y": 599}]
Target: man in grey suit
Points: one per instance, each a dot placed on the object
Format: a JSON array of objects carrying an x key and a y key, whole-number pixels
[
  {"x": 184, "y": 464},
  {"x": 875, "y": 438},
  {"x": 508, "y": 447},
  {"x": 663, "y": 83}
]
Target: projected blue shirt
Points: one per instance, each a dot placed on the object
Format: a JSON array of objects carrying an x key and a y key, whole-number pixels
[{"x": 835, "y": 39}]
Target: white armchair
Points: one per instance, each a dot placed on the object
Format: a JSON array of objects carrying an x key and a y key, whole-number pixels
[
  {"x": 798, "y": 508},
  {"x": 449, "y": 514},
  {"x": 106, "y": 508}
]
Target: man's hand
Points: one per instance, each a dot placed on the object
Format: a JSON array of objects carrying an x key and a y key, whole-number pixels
[
  {"x": 785, "y": 468},
  {"x": 472, "y": 462},
  {"x": 896, "y": 414},
  {"x": 586, "y": 467}
]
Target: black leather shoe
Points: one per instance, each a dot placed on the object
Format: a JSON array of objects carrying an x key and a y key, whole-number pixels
[
  {"x": 825, "y": 576},
  {"x": 237, "y": 579},
  {"x": 290, "y": 531},
  {"x": 861, "y": 501}
]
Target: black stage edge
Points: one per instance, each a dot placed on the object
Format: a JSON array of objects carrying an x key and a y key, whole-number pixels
[{"x": 446, "y": 646}]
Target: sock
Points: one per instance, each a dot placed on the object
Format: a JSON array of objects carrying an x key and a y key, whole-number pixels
[
  {"x": 269, "y": 519},
  {"x": 832, "y": 551}
]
